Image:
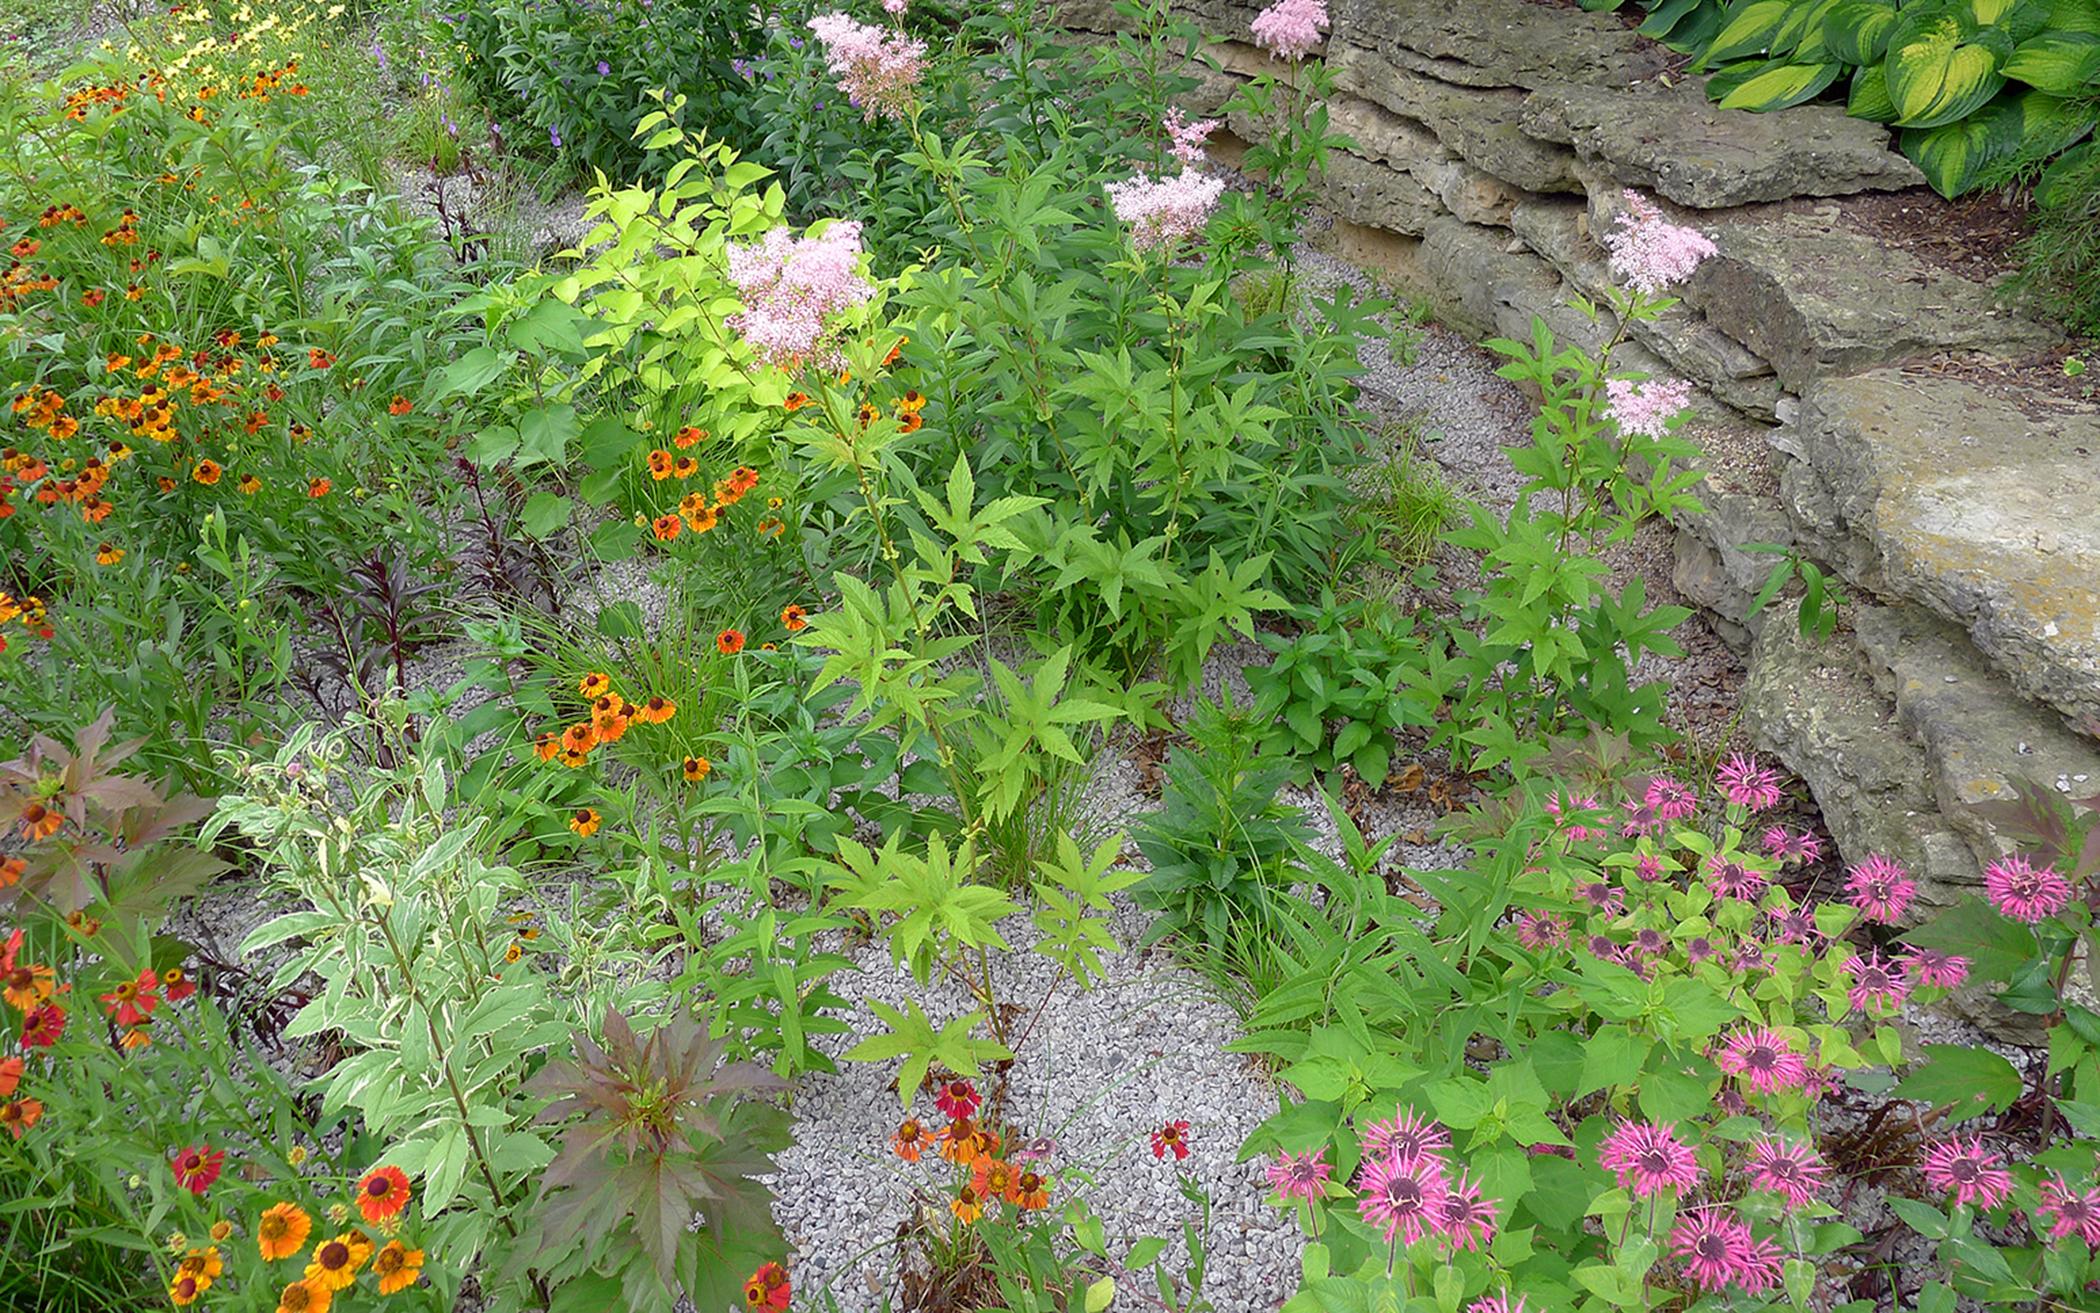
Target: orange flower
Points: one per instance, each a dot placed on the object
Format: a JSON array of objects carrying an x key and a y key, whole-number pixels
[
  {"x": 282, "y": 1231},
  {"x": 572, "y": 757},
  {"x": 39, "y": 822},
  {"x": 594, "y": 685},
  {"x": 1030, "y": 1191},
  {"x": 993, "y": 1178},
  {"x": 106, "y": 554},
  {"x": 794, "y": 617},
  {"x": 585, "y": 822},
  {"x": 609, "y": 718},
  {"x": 911, "y": 403},
  {"x": 11, "y": 870},
  {"x": 546, "y": 745},
  {"x": 795, "y": 401},
  {"x": 335, "y": 1262},
  {"x": 18, "y": 1117},
  {"x": 666, "y": 527},
  {"x": 695, "y": 769},
  {"x": 10, "y": 1076},
  {"x": 729, "y": 642},
  {"x": 895, "y": 352},
  {"x": 400, "y": 405},
  {"x": 384, "y": 1190},
  {"x": 318, "y": 358},
  {"x": 305, "y": 1297},
  {"x": 661, "y": 463},
  {"x": 700, "y": 515},
  {"x": 248, "y": 484},
  {"x": 397, "y": 1267},
  {"x": 687, "y": 436},
  {"x": 911, "y": 1139},
  {"x": 580, "y": 737},
  {"x": 318, "y": 488},
  {"x": 207, "y": 472},
  {"x": 656, "y": 711},
  {"x": 966, "y": 1206}
]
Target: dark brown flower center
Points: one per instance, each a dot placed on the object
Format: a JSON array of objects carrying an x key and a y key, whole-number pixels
[
  {"x": 379, "y": 1187},
  {"x": 334, "y": 1254}
]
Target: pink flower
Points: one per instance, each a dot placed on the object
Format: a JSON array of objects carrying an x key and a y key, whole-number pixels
[
  {"x": 1759, "y": 1269},
  {"x": 1162, "y": 211},
  {"x": 1604, "y": 898},
  {"x": 1648, "y": 1159},
  {"x": 1733, "y": 879},
  {"x": 1764, "y": 1059},
  {"x": 1502, "y": 1303},
  {"x": 1405, "y": 1135},
  {"x": 1562, "y": 806},
  {"x": 1537, "y": 930},
  {"x": 1791, "y": 846},
  {"x": 1289, "y": 29},
  {"x": 1648, "y": 251},
  {"x": 1171, "y": 1137},
  {"x": 1876, "y": 982},
  {"x": 1645, "y": 409},
  {"x": 1972, "y": 1172},
  {"x": 1184, "y": 138},
  {"x": 1783, "y": 1168},
  {"x": 1640, "y": 819},
  {"x": 2021, "y": 892},
  {"x": 1301, "y": 1176},
  {"x": 1794, "y": 925},
  {"x": 1880, "y": 888},
  {"x": 2072, "y": 1212},
  {"x": 895, "y": 8},
  {"x": 1648, "y": 867},
  {"x": 790, "y": 285},
  {"x": 1711, "y": 1245},
  {"x": 1405, "y": 1196},
  {"x": 1673, "y": 801},
  {"x": 878, "y": 69},
  {"x": 1746, "y": 784},
  {"x": 1939, "y": 970},
  {"x": 1465, "y": 1217}
]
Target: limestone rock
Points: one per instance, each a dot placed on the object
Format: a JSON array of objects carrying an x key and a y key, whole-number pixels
[
  {"x": 1714, "y": 570},
  {"x": 1500, "y": 43},
  {"x": 1363, "y": 191},
  {"x": 1815, "y": 707},
  {"x": 1482, "y": 125},
  {"x": 1979, "y": 738},
  {"x": 1944, "y": 495},
  {"x": 1482, "y": 285},
  {"x": 1675, "y": 141}
]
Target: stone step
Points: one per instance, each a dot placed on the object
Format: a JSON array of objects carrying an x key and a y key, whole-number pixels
[
  {"x": 1935, "y": 491},
  {"x": 1496, "y": 43}
]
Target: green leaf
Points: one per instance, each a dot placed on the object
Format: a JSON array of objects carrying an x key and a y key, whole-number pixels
[
  {"x": 1996, "y": 947},
  {"x": 1857, "y": 31},
  {"x": 1942, "y": 65},
  {"x": 471, "y": 372},
  {"x": 1970, "y": 1081},
  {"x": 1099, "y": 1294},
  {"x": 2020, "y": 125},
  {"x": 544, "y": 513},
  {"x": 1748, "y": 31},
  {"x": 2061, "y": 63},
  {"x": 544, "y": 434},
  {"x": 1781, "y": 87}
]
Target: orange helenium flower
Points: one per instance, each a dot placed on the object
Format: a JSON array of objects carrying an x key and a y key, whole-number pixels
[
  {"x": 335, "y": 1262},
  {"x": 384, "y": 1190},
  {"x": 397, "y": 1267},
  {"x": 282, "y": 1231},
  {"x": 585, "y": 822}
]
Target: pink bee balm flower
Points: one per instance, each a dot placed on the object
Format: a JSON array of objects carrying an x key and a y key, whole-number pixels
[
  {"x": 1971, "y": 1172},
  {"x": 1299, "y": 1176},
  {"x": 1538, "y": 930},
  {"x": 1289, "y": 29},
  {"x": 1184, "y": 138},
  {"x": 791, "y": 286},
  {"x": 1404, "y": 1196},
  {"x": 1162, "y": 211},
  {"x": 2069, "y": 1212},
  {"x": 1648, "y": 251},
  {"x": 2021, "y": 892},
  {"x": 1791, "y": 847},
  {"x": 1502, "y": 1303},
  {"x": 1604, "y": 898},
  {"x": 1711, "y": 1245},
  {"x": 1640, "y": 819},
  {"x": 1876, "y": 982},
  {"x": 1880, "y": 888},
  {"x": 1783, "y": 1168},
  {"x": 1794, "y": 925},
  {"x": 1645, "y": 409},
  {"x": 1648, "y": 1159},
  {"x": 1673, "y": 801},
  {"x": 1760, "y": 1268},
  {"x": 1648, "y": 867},
  {"x": 1733, "y": 879},
  {"x": 1939, "y": 970},
  {"x": 1465, "y": 1217},
  {"x": 1746, "y": 784},
  {"x": 1569, "y": 811},
  {"x": 1405, "y": 1135},
  {"x": 878, "y": 69},
  {"x": 1764, "y": 1059}
]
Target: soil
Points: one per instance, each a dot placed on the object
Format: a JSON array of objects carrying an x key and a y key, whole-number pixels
[
  {"x": 2036, "y": 383},
  {"x": 1973, "y": 236}
]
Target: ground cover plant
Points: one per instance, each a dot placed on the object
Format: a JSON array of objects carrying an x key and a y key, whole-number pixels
[{"x": 475, "y": 726}]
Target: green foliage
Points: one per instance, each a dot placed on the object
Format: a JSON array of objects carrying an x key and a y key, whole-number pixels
[
  {"x": 1354, "y": 676},
  {"x": 2060, "y": 261}
]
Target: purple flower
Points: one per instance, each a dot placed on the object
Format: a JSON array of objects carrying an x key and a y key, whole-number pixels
[
  {"x": 1300, "y": 1176},
  {"x": 1465, "y": 1217},
  {"x": 1784, "y": 1168},
  {"x": 1646, "y": 409},
  {"x": 1162, "y": 211},
  {"x": 1405, "y": 1135},
  {"x": 1289, "y": 29},
  {"x": 1880, "y": 888},
  {"x": 2022, "y": 892},
  {"x": 604, "y": 69},
  {"x": 1403, "y": 1196},
  {"x": 1939, "y": 970},
  {"x": 791, "y": 286},
  {"x": 1648, "y": 1159},
  {"x": 1764, "y": 1059},
  {"x": 554, "y": 137},
  {"x": 1673, "y": 801},
  {"x": 1746, "y": 784},
  {"x": 2071, "y": 1211},
  {"x": 1876, "y": 982},
  {"x": 1972, "y": 1173}
]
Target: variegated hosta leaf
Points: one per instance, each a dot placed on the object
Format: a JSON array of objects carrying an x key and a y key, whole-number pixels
[
  {"x": 2061, "y": 63},
  {"x": 1857, "y": 31},
  {"x": 1942, "y": 65},
  {"x": 2030, "y": 125},
  {"x": 1781, "y": 86}
]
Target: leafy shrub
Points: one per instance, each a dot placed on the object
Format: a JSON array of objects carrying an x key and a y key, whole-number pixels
[
  {"x": 1357, "y": 663},
  {"x": 2060, "y": 261}
]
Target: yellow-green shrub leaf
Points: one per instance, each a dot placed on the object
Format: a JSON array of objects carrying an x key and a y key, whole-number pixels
[
  {"x": 1942, "y": 66},
  {"x": 2061, "y": 63},
  {"x": 1801, "y": 29},
  {"x": 2029, "y": 125},
  {"x": 1870, "y": 96},
  {"x": 1778, "y": 88},
  {"x": 1748, "y": 30},
  {"x": 1857, "y": 31}
]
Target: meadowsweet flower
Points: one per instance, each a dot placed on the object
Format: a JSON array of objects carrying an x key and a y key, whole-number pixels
[
  {"x": 1289, "y": 29},
  {"x": 1784, "y": 1168},
  {"x": 2069, "y": 1212},
  {"x": 1405, "y": 1135},
  {"x": 1184, "y": 137},
  {"x": 1171, "y": 1137},
  {"x": 1764, "y": 1060},
  {"x": 878, "y": 70},
  {"x": 1404, "y": 1196},
  {"x": 790, "y": 286},
  {"x": 1648, "y": 252},
  {"x": 1162, "y": 211},
  {"x": 1746, "y": 784},
  {"x": 1930, "y": 967},
  {"x": 1876, "y": 982},
  {"x": 2021, "y": 892},
  {"x": 1964, "y": 1168},
  {"x": 1464, "y": 1216},
  {"x": 1880, "y": 888},
  {"x": 1648, "y": 1159},
  {"x": 1645, "y": 409},
  {"x": 1299, "y": 1176}
]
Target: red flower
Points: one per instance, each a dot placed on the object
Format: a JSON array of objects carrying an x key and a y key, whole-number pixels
[
  {"x": 768, "y": 1288},
  {"x": 197, "y": 1167},
  {"x": 730, "y": 642},
  {"x": 176, "y": 986},
  {"x": 1174, "y": 1136},
  {"x": 382, "y": 1193},
  {"x": 958, "y": 1099},
  {"x": 131, "y": 1002},
  {"x": 42, "y": 1027}
]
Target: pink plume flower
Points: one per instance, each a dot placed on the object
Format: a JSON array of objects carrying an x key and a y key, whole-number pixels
[
  {"x": 1466, "y": 1218},
  {"x": 1185, "y": 138},
  {"x": 1300, "y": 1176},
  {"x": 790, "y": 285},
  {"x": 1972, "y": 1173},
  {"x": 1876, "y": 982},
  {"x": 879, "y": 69},
  {"x": 1939, "y": 970},
  {"x": 1784, "y": 1168},
  {"x": 2069, "y": 1212},
  {"x": 1880, "y": 888},
  {"x": 1645, "y": 409},
  {"x": 1648, "y": 1159},
  {"x": 1162, "y": 211},
  {"x": 1406, "y": 1135},
  {"x": 1746, "y": 784},
  {"x": 1649, "y": 252},
  {"x": 1403, "y": 1196},
  {"x": 1289, "y": 29},
  {"x": 1764, "y": 1059},
  {"x": 2019, "y": 891}
]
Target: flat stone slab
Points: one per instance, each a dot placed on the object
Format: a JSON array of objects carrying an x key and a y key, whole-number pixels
[
  {"x": 1675, "y": 141},
  {"x": 1956, "y": 500},
  {"x": 1481, "y": 125},
  {"x": 1500, "y": 43}
]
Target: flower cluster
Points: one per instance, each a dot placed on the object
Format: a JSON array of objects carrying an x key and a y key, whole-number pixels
[
  {"x": 984, "y": 1177},
  {"x": 1185, "y": 137},
  {"x": 1163, "y": 211},
  {"x": 1646, "y": 409},
  {"x": 1648, "y": 252},
  {"x": 608, "y": 717},
  {"x": 791, "y": 287},
  {"x": 1289, "y": 29},
  {"x": 878, "y": 70}
]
